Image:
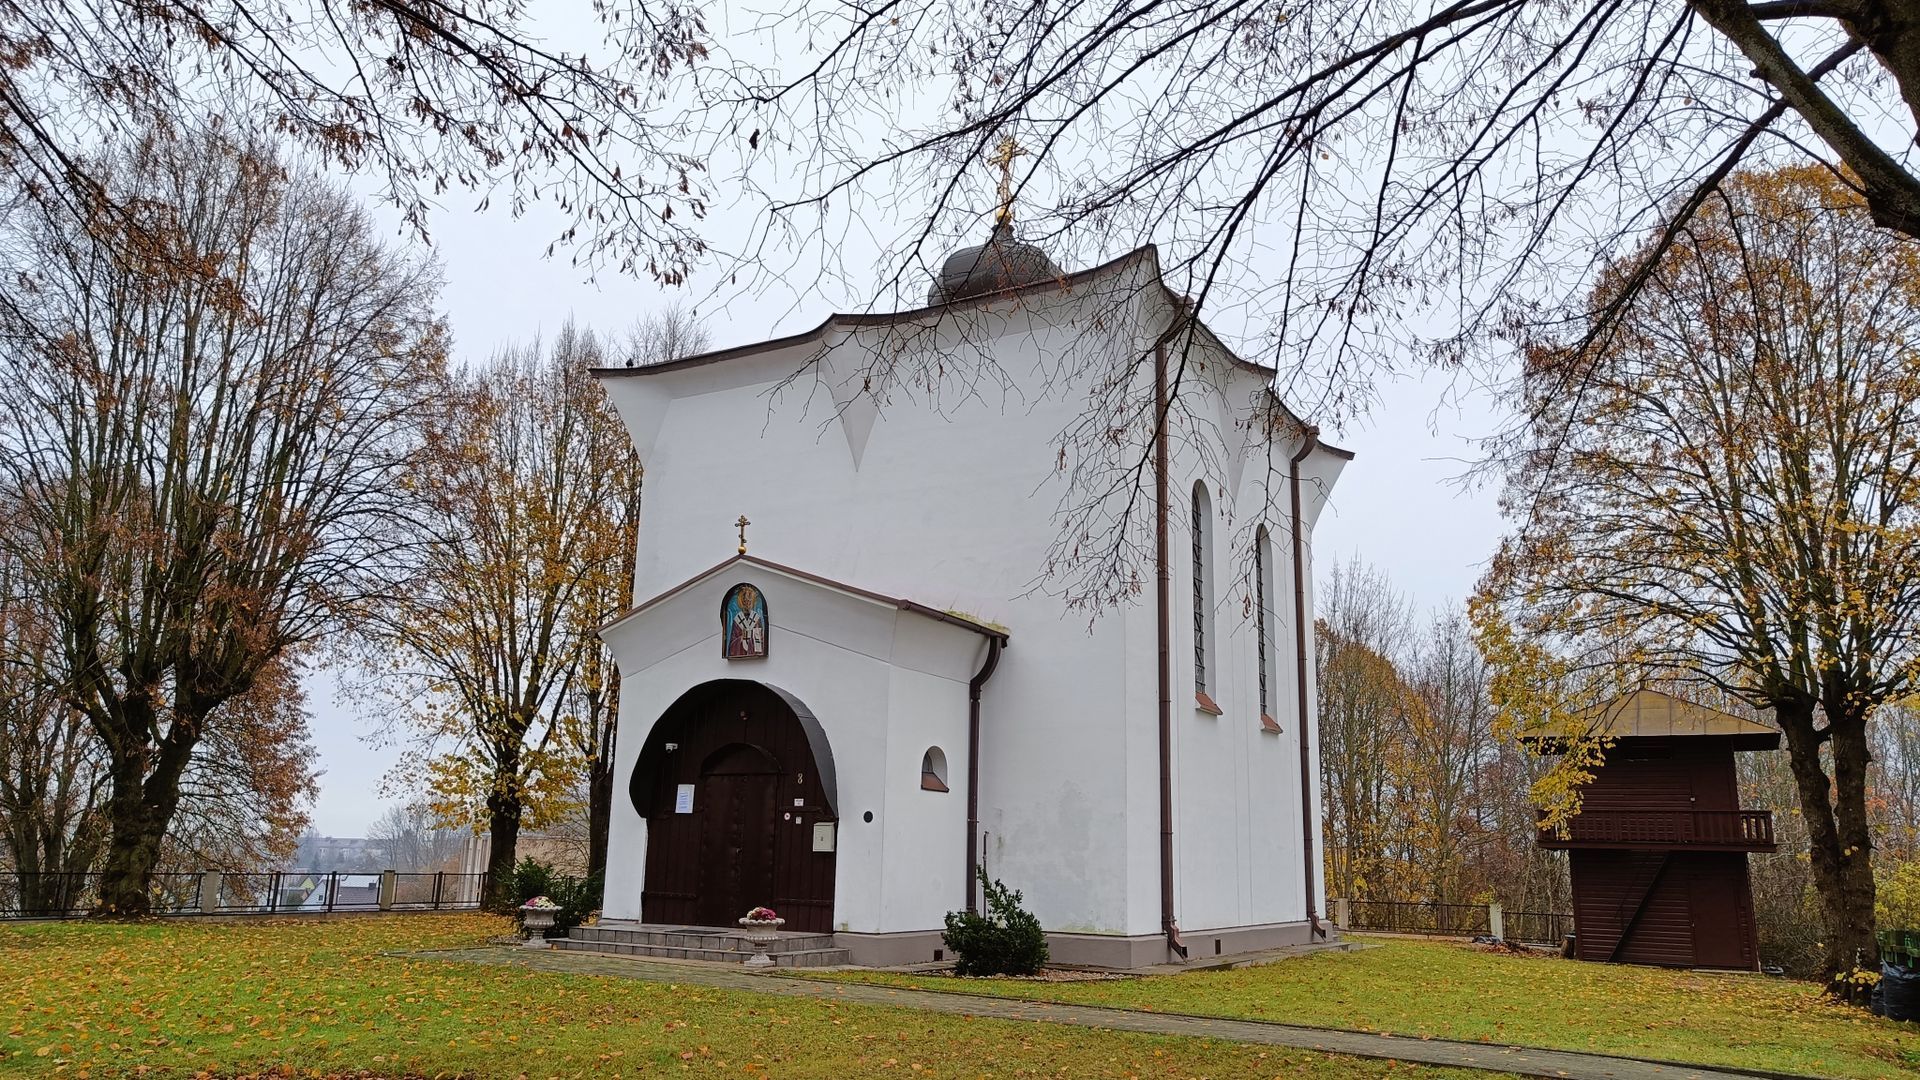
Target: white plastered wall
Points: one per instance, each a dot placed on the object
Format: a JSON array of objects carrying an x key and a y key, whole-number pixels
[
  {"x": 949, "y": 499},
  {"x": 883, "y": 684},
  {"x": 1237, "y": 821}
]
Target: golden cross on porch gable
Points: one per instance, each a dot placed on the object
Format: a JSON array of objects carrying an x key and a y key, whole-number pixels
[
  {"x": 742, "y": 526},
  {"x": 1003, "y": 154}
]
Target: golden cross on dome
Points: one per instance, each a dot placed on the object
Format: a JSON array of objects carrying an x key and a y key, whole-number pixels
[
  {"x": 1003, "y": 154},
  {"x": 742, "y": 526}
]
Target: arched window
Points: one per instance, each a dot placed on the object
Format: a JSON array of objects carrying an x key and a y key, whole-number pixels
[
  {"x": 933, "y": 770},
  {"x": 1263, "y": 623},
  {"x": 1203, "y": 598}
]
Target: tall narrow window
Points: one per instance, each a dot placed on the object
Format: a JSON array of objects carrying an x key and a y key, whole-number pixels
[
  {"x": 1202, "y": 599},
  {"x": 1263, "y": 623}
]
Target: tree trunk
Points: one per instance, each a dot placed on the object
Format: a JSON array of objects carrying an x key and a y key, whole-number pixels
[
  {"x": 133, "y": 846},
  {"x": 32, "y": 885},
  {"x": 1840, "y": 848},
  {"x": 1851, "y": 920},
  {"x": 599, "y": 811},
  {"x": 145, "y": 794},
  {"x": 503, "y": 828}
]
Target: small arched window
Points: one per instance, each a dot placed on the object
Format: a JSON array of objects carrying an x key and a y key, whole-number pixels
[
  {"x": 1203, "y": 598},
  {"x": 1263, "y": 621},
  {"x": 933, "y": 770}
]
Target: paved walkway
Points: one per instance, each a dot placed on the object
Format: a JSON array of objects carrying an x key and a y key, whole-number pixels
[{"x": 1525, "y": 1061}]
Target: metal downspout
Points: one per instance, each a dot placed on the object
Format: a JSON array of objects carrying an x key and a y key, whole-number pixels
[
  {"x": 1307, "y": 446},
  {"x": 1163, "y": 594},
  {"x": 974, "y": 686}
]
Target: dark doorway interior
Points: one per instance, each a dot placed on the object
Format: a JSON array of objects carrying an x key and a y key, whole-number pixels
[{"x": 731, "y": 811}]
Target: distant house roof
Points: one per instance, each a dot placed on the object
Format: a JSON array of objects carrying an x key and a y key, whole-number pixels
[{"x": 1650, "y": 714}]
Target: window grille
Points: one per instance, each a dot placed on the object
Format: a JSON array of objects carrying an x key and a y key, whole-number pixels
[
  {"x": 1200, "y": 569},
  {"x": 1260, "y": 612}
]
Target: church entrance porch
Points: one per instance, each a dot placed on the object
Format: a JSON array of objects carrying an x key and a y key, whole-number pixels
[
  {"x": 788, "y": 950},
  {"x": 738, "y": 813}
]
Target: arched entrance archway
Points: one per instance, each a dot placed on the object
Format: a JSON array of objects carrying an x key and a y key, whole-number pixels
[{"x": 732, "y": 789}]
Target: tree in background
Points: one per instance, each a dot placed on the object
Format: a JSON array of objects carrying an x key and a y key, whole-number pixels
[
  {"x": 1363, "y": 704},
  {"x": 243, "y": 797},
  {"x": 1508, "y": 860},
  {"x": 409, "y": 840},
  {"x": 52, "y": 770},
  {"x": 1449, "y": 744},
  {"x": 206, "y": 410},
  {"x": 523, "y": 520},
  {"x": 424, "y": 97},
  {"x": 1731, "y": 498},
  {"x": 1893, "y": 783},
  {"x": 1422, "y": 801}
]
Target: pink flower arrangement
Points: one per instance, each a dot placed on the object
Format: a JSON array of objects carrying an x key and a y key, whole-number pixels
[
  {"x": 541, "y": 903},
  {"x": 761, "y": 914}
]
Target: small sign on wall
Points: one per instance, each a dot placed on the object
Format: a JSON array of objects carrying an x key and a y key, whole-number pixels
[
  {"x": 823, "y": 836},
  {"x": 683, "y": 799}
]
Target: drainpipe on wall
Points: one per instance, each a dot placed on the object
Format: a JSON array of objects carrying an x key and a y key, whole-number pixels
[
  {"x": 1308, "y": 444},
  {"x": 1163, "y": 595},
  {"x": 974, "y": 687}
]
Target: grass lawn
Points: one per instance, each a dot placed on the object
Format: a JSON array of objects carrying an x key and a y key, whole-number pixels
[
  {"x": 1455, "y": 991},
  {"x": 311, "y": 998}
]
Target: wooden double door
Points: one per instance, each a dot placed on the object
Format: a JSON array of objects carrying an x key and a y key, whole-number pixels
[{"x": 732, "y": 811}]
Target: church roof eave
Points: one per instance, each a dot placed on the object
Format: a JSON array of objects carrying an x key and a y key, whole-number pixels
[
  {"x": 926, "y": 611},
  {"x": 849, "y": 320}
]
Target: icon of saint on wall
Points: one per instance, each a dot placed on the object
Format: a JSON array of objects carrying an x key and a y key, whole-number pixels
[{"x": 743, "y": 623}]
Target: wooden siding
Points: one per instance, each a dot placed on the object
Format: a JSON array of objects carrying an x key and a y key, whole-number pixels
[
  {"x": 1657, "y": 774},
  {"x": 757, "y": 796},
  {"x": 1669, "y": 908}
]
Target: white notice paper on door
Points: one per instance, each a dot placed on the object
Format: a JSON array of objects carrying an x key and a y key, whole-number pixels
[{"x": 683, "y": 799}]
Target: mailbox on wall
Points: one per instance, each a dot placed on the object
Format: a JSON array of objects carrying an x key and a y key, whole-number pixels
[{"x": 823, "y": 836}]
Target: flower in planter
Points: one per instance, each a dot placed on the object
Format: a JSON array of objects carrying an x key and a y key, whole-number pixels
[
  {"x": 761, "y": 914},
  {"x": 540, "y": 903}
]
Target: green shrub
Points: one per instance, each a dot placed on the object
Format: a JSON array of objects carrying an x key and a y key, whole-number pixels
[
  {"x": 577, "y": 897},
  {"x": 1007, "y": 940},
  {"x": 1897, "y": 897}
]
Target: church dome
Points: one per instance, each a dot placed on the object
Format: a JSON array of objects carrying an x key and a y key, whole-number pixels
[{"x": 1001, "y": 263}]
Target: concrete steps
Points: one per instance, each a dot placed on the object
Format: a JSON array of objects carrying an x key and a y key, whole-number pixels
[{"x": 711, "y": 944}]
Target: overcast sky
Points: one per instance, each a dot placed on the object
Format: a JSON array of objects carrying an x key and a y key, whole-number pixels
[{"x": 1397, "y": 506}]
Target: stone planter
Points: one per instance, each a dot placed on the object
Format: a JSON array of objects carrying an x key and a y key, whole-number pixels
[
  {"x": 760, "y": 935},
  {"x": 536, "y": 922}
]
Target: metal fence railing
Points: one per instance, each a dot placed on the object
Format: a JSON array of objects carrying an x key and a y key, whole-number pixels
[
  {"x": 257, "y": 892},
  {"x": 1453, "y": 920},
  {"x": 1419, "y": 917},
  {"x": 1538, "y": 927}
]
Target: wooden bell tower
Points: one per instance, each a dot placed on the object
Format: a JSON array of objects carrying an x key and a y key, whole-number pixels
[{"x": 1659, "y": 849}]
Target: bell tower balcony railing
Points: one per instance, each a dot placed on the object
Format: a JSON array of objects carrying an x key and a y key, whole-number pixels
[{"x": 1698, "y": 830}]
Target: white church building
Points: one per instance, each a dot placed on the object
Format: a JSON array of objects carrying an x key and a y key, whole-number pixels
[{"x": 855, "y": 674}]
